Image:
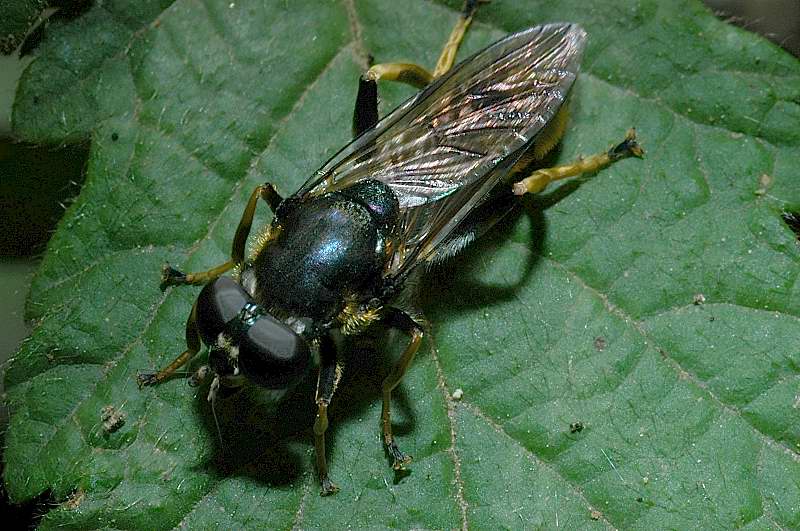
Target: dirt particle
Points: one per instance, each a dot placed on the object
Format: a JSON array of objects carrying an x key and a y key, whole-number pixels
[
  {"x": 600, "y": 343},
  {"x": 75, "y": 500},
  {"x": 112, "y": 419},
  {"x": 764, "y": 182}
]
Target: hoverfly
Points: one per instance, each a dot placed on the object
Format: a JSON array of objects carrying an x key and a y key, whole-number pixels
[{"x": 342, "y": 252}]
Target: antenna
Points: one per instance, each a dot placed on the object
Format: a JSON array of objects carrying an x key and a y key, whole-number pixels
[{"x": 212, "y": 397}]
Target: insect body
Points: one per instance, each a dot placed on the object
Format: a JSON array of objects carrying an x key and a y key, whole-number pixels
[{"x": 410, "y": 190}]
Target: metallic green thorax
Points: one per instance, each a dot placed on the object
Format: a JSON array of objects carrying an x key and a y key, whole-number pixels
[{"x": 329, "y": 250}]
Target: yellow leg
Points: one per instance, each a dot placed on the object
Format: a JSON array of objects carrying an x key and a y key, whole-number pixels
[
  {"x": 320, "y": 427},
  {"x": 448, "y": 56},
  {"x": 418, "y": 76},
  {"x": 389, "y": 383},
  {"x": 193, "y": 346},
  {"x": 407, "y": 73},
  {"x": 172, "y": 277},
  {"x": 330, "y": 372},
  {"x": 539, "y": 179},
  {"x": 365, "y": 114}
]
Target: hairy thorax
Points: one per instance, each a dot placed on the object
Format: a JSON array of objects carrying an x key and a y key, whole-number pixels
[{"x": 319, "y": 255}]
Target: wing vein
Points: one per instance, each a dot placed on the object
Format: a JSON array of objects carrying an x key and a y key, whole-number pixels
[{"x": 448, "y": 147}]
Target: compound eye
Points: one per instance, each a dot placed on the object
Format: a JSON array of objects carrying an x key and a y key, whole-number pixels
[
  {"x": 272, "y": 355},
  {"x": 219, "y": 302}
]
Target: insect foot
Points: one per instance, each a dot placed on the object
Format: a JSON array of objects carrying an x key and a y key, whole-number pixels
[
  {"x": 171, "y": 277},
  {"x": 627, "y": 148},
  {"x": 144, "y": 379},
  {"x": 401, "y": 459},
  {"x": 328, "y": 487}
]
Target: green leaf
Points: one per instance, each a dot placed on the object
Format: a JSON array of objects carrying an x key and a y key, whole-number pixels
[
  {"x": 654, "y": 304},
  {"x": 18, "y": 17}
]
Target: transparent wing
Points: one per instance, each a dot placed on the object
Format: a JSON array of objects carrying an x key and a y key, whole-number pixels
[{"x": 444, "y": 149}]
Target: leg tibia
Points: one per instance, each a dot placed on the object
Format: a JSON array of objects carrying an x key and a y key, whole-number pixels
[
  {"x": 448, "y": 55},
  {"x": 172, "y": 277},
  {"x": 404, "y": 322},
  {"x": 408, "y": 73},
  {"x": 539, "y": 179},
  {"x": 193, "y": 346},
  {"x": 330, "y": 372}
]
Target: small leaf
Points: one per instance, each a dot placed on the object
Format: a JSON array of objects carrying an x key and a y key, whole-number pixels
[{"x": 688, "y": 412}]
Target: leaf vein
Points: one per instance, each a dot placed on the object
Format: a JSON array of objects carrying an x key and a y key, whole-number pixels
[
  {"x": 451, "y": 450},
  {"x": 682, "y": 372},
  {"x": 152, "y": 317},
  {"x": 498, "y": 428}
]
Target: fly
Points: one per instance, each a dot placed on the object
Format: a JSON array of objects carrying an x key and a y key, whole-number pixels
[{"x": 411, "y": 190}]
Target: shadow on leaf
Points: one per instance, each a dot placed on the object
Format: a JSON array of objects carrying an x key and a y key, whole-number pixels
[{"x": 272, "y": 441}]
